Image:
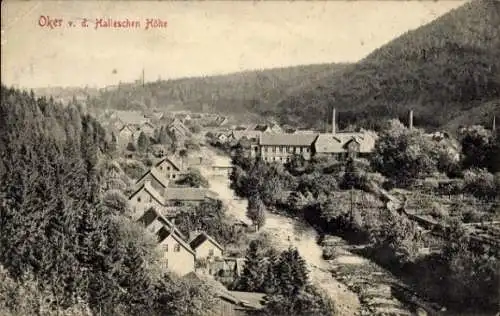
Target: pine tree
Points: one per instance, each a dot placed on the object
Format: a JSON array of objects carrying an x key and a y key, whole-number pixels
[
  {"x": 164, "y": 137},
  {"x": 113, "y": 144},
  {"x": 253, "y": 275},
  {"x": 142, "y": 142},
  {"x": 256, "y": 212}
]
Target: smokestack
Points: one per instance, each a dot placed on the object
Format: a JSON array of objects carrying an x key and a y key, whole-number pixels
[
  {"x": 410, "y": 120},
  {"x": 493, "y": 127},
  {"x": 334, "y": 125}
]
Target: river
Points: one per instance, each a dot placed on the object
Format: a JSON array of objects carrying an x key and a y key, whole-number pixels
[
  {"x": 355, "y": 272},
  {"x": 287, "y": 232}
]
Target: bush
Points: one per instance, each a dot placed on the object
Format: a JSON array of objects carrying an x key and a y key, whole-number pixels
[
  {"x": 480, "y": 183},
  {"x": 453, "y": 187},
  {"x": 328, "y": 253},
  {"x": 429, "y": 186},
  {"x": 438, "y": 211},
  {"x": 133, "y": 169}
]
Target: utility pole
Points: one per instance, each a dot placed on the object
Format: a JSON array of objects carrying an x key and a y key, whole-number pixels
[
  {"x": 352, "y": 201},
  {"x": 143, "y": 77},
  {"x": 493, "y": 127}
]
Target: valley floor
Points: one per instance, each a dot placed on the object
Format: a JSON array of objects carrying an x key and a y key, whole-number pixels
[{"x": 356, "y": 285}]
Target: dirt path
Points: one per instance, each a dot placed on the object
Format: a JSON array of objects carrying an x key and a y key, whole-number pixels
[{"x": 287, "y": 232}]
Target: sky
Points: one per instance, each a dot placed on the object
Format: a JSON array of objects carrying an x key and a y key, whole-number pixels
[{"x": 201, "y": 38}]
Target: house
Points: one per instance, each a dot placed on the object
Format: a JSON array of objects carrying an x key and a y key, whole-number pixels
[
  {"x": 225, "y": 270},
  {"x": 164, "y": 200},
  {"x": 130, "y": 117},
  {"x": 251, "y": 135},
  {"x": 177, "y": 128},
  {"x": 221, "y": 120},
  {"x": 148, "y": 129},
  {"x": 155, "y": 178},
  {"x": 274, "y": 128},
  {"x": 345, "y": 145},
  {"x": 221, "y": 138},
  {"x": 183, "y": 117},
  {"x": 265, "y": 128},
  {"x": 170, "y": 168},
  {"x": 281, "y": 147},
  {"x": 125, "y": 135},
  {"x": 342, "y": 145},
  {"x": 447, "y": 143},
  {"x": 206, "y": 247},
  {"x": 177, "y": 256},
  {"x": 154, "y": 115},
  {"x": 146, "y": 197}
]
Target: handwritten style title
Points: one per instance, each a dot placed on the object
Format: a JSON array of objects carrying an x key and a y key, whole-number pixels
[{"x": 46, "y": 21}]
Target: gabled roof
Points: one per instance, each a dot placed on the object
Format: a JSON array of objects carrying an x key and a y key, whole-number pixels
[
  {"x": 155, "y": 115},
  {"x": 130, "y": 117},
  {"x": 148, "y": 124},
  {"x": 126, "y": 126},
  {"x": 215, "y": 285},
  {"x": 250, "y": 299},
  {"x": 248, "y": 134},
  {"x": 336, "y": 143},
  {"x": 157, "y": 175},
  {"x": 287, "y": 139},
  {"x": 152, "y": 191},
  {"x": 186, "y": 194},
  {"x": 152, "y": 215},
  {"x": 201, "y": 238},
  {"x": 166, "y": 231},
  {"x": 171, "y": 161},
  {"x": 178, "y": 125}
]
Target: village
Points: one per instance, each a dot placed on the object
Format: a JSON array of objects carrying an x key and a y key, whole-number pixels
[
  {"x": 160, "y": 193},
  {"x": 241, "y": 158}
]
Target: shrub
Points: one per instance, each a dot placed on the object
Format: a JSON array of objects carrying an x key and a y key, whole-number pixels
[
  {"x": 480, "y": 183},
  {"x": 438, "y": 211},
  {"x": 328, "y": 253}
]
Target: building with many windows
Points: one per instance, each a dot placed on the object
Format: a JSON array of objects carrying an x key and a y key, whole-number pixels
[{"x": 281, "y": 147}]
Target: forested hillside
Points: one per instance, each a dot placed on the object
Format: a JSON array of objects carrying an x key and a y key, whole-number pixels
[
  {"x": 239, "y": 93},
  {"x": 63, "y": 251},
  {"x": 447, "y": 66},
  {"x": 447, "y": 70}
]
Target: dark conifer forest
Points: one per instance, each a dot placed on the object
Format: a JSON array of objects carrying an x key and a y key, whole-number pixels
[{"x": 61, "y": 248}]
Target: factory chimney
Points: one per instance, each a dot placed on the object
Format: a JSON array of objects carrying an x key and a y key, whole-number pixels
[
  {"x": 410, "y": 120},
  {"x": 334, "y": 125}
]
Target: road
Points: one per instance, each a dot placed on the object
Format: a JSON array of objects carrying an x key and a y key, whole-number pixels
[{"x": 287, "y": 232}]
